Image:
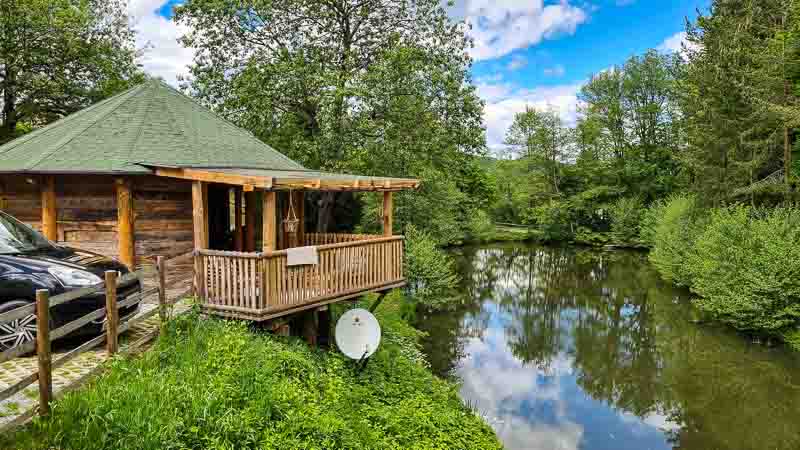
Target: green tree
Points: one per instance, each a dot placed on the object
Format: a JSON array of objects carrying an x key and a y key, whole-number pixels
[
  {"x": 59, "y": 56},
  {"x": 375, "y": 87},
  {"x": 542, "y": 140}
]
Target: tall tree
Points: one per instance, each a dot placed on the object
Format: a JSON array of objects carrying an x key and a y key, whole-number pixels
[
  {"x": 541, "y": 139},
  {"x": 59, "y": 56}
]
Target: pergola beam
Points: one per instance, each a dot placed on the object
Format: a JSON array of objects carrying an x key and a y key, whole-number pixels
[
  {"x": 314, "y": 182},
  {"x": 215, "y": 177}
]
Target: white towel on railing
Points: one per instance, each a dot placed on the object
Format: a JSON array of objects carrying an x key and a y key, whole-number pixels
[{"x": 301, "y": 256}]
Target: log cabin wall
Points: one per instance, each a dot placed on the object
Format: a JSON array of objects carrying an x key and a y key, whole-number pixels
[{"x": 87, "y": 212}]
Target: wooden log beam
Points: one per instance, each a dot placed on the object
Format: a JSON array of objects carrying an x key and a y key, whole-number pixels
[
  {"x": 125, "y": 223},
  {"x": 388, "y": 214},
  {"x": 214, "y": 177},
  {"x": 49, "y": 212},
  {"x": 199, "y": 215},
  {"x": 269, "y": 229},
  {"x": 238, "y": 237},
  {"x": 250, "y": 221}
]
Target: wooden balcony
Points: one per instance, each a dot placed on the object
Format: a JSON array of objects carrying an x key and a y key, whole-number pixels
[{"x": 261, "y": 286}]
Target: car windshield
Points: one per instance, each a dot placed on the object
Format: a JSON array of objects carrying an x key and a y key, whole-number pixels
[{"x": 16, "y": 237}]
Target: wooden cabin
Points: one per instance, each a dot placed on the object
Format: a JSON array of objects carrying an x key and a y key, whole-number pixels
[{"x": 150, "y": 172}]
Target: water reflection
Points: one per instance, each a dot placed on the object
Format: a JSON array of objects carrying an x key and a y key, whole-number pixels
[{"x": 563, "y": 348}]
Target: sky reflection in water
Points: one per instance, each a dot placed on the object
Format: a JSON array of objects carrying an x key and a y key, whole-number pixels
[{"x": 578, "y": 349}]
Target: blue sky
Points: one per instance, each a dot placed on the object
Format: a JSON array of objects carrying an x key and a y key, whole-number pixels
[{"x": 527, "y": 53}]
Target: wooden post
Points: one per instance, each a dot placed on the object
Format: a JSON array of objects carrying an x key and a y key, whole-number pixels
[
  {"x": 324, "y": 326},
  {"x": 238, "y": 238},
  {"x": 387, "y": 214},
  {"x": 250, "y": 221},
  {"x": 3, "y": 201},
  {"x": 161, "y": 270},
  {"x": 269, "y": 230},
  {"x": 310, "y": 328},
  {"x": 43, "y": 350},
  {"x": 199, "y": 215},
  {"x": 200, "y": 228},
  {"x": 127, "y": 245},
  {"x": 112, "y": 315},
  {"x": 49, "y": 212}
]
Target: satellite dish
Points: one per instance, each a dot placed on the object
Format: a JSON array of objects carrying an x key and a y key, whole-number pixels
[{"x": 358, "y": 334}]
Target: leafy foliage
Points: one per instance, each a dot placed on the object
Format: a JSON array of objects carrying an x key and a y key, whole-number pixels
[
  {"x": 746, "y": 267},
  {"x": 430, "y": 272},
  {"x": 60, "y": 56},
  {"x": 626, "y": 216},
  {"x": 672, "y": 236},
  {"x": 216, "y": 385}
]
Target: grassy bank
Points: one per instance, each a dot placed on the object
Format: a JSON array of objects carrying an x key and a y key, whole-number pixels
[{"x": 216, "y": 384}]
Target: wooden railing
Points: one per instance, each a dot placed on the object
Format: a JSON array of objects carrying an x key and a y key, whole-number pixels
[
  {"x": 261, "y": 285},
  {"x": 113, "y": 328},
  {"x": 335, "y": 238}
]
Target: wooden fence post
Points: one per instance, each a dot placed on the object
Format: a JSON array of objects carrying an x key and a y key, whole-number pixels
[
  {"x": 43, "y": 350},
  {"x": 112, "y": 315},
  {"x": 161, "y": 266}
]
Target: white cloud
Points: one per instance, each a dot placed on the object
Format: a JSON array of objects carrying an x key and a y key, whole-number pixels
[
  {"x": 502, "y": 26},
  {"x": 503, "y": 102},
  {"x": 163, "y": 56},
  {"x": 676, "y": 43},
  {"x": 502, "y": 388},
  {"x": 517, "y": 62},
  {"x": 555, "y": 71}
]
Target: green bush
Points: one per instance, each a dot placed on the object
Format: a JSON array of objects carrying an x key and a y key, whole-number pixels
[
  {"x": 672, "y": 237},
  {"x": 626, "y": 216},
  {"x": 212, "y": 384},
  {"x": 430, "y": 272},
  {"x": 746, "y": 268}
]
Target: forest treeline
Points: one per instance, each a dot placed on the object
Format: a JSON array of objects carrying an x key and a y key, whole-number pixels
[{"x": 385, "y": 88}]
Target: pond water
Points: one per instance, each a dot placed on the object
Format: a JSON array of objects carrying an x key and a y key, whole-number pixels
[{"x": 565, "y": 348}]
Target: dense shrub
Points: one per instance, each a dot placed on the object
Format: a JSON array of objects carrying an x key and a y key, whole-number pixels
[
  {"x": 430, "y": 272},
  {"x": 626, "y": 216},
  {"x": 746, "y": 268},
  {"x": 211, "y": 384},
  {"x": 672, "y": 236}
]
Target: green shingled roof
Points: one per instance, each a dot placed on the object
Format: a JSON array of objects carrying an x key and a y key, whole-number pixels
[{"x": 148, "y": 125}]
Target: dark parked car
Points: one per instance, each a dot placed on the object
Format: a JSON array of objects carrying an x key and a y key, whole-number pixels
[{"x": 28, "y": 261}]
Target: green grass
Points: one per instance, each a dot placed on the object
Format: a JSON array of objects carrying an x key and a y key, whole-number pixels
[{"x": 216, "y": 384}]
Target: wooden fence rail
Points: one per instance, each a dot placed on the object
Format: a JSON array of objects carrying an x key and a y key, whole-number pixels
[{"x": 113, "y": 329}]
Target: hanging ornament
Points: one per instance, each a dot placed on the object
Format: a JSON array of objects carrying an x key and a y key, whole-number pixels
[{"x": 291, "y": 222}]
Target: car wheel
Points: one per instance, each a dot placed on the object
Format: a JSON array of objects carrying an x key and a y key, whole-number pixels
[{"x": 18, "y": 331}]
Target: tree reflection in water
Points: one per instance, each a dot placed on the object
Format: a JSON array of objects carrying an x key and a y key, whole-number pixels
[{"x": 582, "y": 348}]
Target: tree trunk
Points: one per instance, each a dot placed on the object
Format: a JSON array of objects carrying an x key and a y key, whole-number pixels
[
  {"x": 787, "y": 147},
  {"x": 327, "y": 201},
  {"x": 9, "y": 116}
]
